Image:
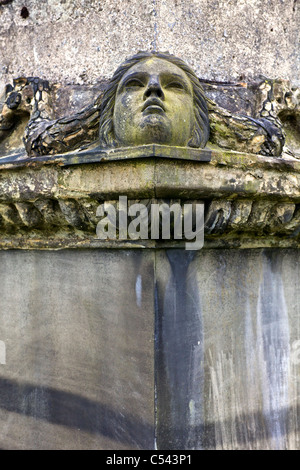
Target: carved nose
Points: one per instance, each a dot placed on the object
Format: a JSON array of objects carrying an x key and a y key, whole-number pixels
[{"x": 154, "y": 89}]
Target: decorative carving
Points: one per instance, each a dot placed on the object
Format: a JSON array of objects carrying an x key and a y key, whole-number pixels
[
  {"x": 154, "y": 98},
  {"x": 249, "y": 200},
  {"x": 256, "y": 217},
  {"x": 279, "y": 101},
  {"x": 245, "y": 134},
  {"x": 50, "y": 137},
  {"x": 27, "y": 114},
  {"x": 26, "y": 121},
  {"x": 27, "y": 101},
  {"x": 61, "y": 221}
]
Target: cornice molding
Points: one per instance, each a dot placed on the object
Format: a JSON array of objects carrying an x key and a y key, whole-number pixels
[{"x": 51, "y": 202}]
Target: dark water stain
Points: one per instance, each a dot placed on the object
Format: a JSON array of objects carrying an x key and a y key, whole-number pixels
[
  {"x": 179, "y": 357},
  {"x": 273, "y": 339}
]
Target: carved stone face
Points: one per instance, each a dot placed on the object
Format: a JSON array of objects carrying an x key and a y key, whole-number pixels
[{"x": 154, "y": 104}]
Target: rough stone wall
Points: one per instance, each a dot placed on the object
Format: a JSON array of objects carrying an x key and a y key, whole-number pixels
[{"x": 83, "y": 41}]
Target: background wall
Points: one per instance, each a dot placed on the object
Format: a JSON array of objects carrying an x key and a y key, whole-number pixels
[{"x": 82, "y": 41}]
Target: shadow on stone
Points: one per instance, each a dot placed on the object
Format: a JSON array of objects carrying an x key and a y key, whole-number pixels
[{"x": 74, "y": 411}]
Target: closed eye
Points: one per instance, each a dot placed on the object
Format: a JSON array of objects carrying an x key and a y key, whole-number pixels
[
  {"x": 175, "y": 85},
  {"x": 134, "y": 83}
]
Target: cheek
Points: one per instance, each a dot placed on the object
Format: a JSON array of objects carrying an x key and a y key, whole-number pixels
[
  {"x": 184, "y": 112},
  {"x": 181, "y": 104},
  {"x": 129, "y": 103},
  {"x": 126, "y": 101},
  {"x": 122, "y": 113}
]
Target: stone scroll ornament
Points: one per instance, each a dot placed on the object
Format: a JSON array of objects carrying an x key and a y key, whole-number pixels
[{"x": 152, "y": 98}]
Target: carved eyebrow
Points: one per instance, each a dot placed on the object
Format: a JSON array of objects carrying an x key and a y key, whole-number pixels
[
  {"x": 170, "y": 77},
  {"x": 140, "y": 76},
  {"x": 165, "y": 77}
]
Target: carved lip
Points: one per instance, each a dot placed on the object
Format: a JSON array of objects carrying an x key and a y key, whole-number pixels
[{"x": 154, "y": 105}]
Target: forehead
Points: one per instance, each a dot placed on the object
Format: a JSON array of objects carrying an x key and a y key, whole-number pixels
[{"x": 156, "y": 66}]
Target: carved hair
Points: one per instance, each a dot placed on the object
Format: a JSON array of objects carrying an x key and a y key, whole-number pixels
[{"x": 200, "y": 132}]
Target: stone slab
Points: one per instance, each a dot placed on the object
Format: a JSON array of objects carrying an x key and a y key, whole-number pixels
[
  {"x": 79, "y": 366},
  {"x": 227, "y": 361},
  {"x": 78, "y": 328}
]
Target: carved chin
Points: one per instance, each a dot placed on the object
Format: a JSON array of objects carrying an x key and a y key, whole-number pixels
[{"x": 155, "y": 129}]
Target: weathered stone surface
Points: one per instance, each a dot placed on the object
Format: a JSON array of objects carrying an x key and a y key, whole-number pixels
[
  {"x": 29, "y": 123},
  {"x": 78, "y": 334},
  {"x": 220, "y": 40},
  {"x": 228, "y": 349},
  {"x": 78, "y": 328},
  {"x": 249, "y": 200}
]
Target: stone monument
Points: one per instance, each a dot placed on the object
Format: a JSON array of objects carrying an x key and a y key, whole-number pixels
[{"x": 138, "y": 343}]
